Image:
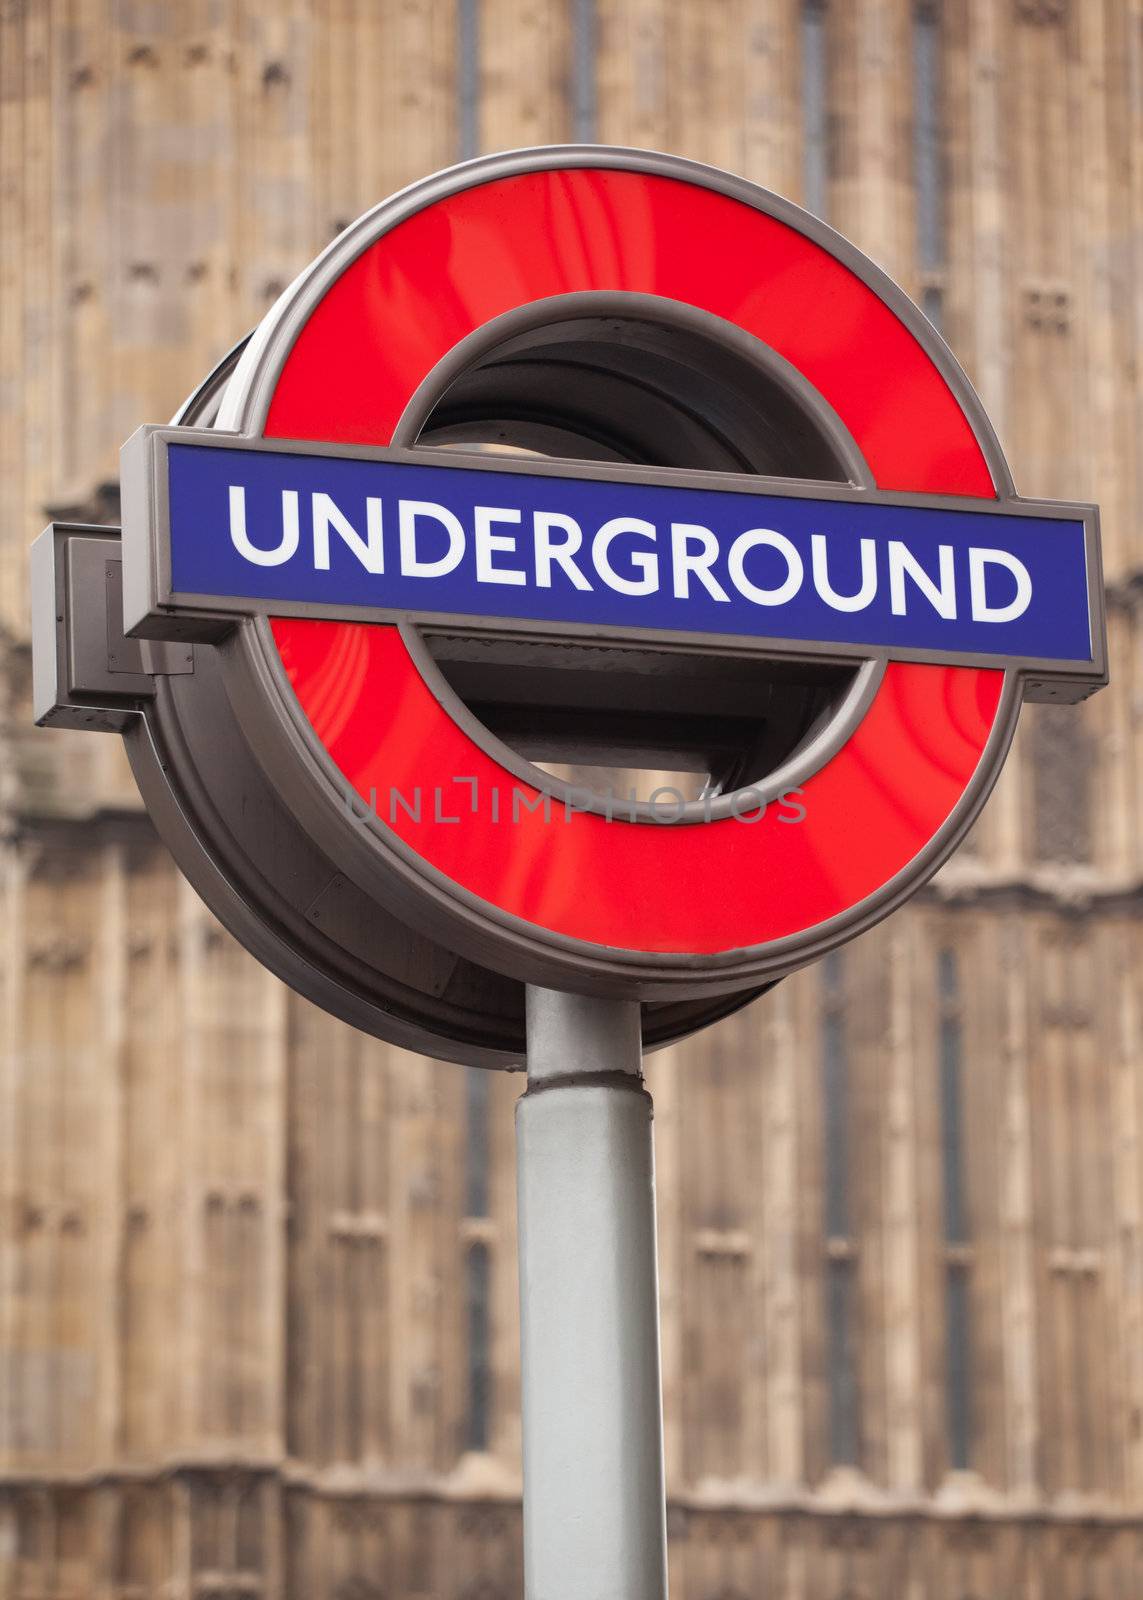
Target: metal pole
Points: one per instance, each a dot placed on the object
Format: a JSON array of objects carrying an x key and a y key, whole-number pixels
[{"x": 594, "y": 1499}]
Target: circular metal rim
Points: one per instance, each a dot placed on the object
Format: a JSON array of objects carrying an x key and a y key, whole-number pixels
[
  {"x": 632, "y": 306},
  {"x": 810, "y": 756},
  {"x": 537, "y": 952},
  {"x": 814, "y": 751}
]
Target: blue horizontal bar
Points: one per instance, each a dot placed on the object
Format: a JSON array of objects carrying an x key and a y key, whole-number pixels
[{"x": 327, "y": 530}]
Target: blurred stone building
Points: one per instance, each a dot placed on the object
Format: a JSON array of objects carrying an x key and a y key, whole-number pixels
[{"x": 257, "y": 1292}]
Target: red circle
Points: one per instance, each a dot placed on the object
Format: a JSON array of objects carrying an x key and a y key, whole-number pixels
[{"x": 704, "y": 888}]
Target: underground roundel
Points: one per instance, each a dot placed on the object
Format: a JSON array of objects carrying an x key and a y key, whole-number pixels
[{"x": 574, "y": 464}]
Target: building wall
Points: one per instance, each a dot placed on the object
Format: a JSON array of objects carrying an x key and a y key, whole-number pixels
[{"x": 257, "y": 1293}]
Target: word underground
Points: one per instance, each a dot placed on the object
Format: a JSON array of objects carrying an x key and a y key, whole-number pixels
[
  {"x": 959, "y": 577},
  {"x": 554, "y": 542}
]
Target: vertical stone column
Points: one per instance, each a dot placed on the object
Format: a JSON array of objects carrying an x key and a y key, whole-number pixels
[
  {"x": 111, "y": 998},
  {"x": 771, "y": 152},
  {"x": 1017, "y": 1222},
  {"x": 781, "y": 1186},
  {"x": 902, "y": 1242}
]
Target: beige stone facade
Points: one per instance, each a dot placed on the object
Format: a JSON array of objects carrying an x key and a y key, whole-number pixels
[{"x": 257, "y": 1295}]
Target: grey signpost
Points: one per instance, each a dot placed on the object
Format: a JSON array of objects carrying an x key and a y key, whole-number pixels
[
  {"x": 594, "y": 1501},
  {"x": 278, "y": 650}
]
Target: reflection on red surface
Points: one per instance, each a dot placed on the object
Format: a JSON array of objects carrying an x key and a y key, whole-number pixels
[{"x": 702, "y": 888}]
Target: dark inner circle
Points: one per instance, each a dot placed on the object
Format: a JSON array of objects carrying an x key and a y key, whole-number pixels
[{"x": 639, "y": 391}]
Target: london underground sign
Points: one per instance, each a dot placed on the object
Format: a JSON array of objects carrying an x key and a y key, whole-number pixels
[
  {"x": 575, "y": 459},
  {"x": 738, "y": 513}
]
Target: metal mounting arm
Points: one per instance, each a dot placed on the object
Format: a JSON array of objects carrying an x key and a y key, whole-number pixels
[{"x": 86, "y": 673}]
